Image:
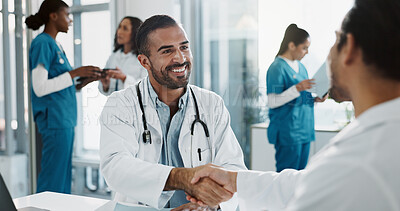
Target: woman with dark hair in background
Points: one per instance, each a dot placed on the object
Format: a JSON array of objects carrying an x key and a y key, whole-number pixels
[
  {"x": 123, "y": 66},
  {"x": 291, "y": 113},
  {"x": 53, "y": 95}
]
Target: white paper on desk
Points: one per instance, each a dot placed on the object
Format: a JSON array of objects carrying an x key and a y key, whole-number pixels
[{"x": 322, "y": 82}]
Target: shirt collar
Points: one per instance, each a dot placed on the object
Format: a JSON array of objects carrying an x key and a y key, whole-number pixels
[{"x": 156, "y": 101}]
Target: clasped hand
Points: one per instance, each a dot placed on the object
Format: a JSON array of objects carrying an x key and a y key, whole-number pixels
[{"x": 209, "y": 186}]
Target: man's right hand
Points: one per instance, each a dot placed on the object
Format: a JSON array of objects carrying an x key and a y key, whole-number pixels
[
  {"x": 227, "y": 179},
  {"x": 86, "y": 71},
  {"x": 204, "y": 190},
  {"x": 305, "y": 84}
]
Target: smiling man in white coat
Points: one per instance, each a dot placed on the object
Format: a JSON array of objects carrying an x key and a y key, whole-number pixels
[
  {"x": 154, "y": 133},
  {"x": 360, "y": 168}
]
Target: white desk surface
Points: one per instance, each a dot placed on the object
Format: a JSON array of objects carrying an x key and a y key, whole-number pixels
[{"x": 59, "y": 202}]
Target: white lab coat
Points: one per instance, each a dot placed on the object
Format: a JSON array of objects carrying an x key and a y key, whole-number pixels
[
  {"x": 130, "y": 166},
  {"x": 358, "y": 170}
]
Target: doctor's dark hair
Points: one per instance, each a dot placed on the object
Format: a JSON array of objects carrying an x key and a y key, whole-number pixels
[
  {"x": 293, "y": 34},
  {"x": 374, "y": 25},
  {"x": 151, "y": 24},
  {"x": 135, "y": 23},
  {"x": 42, "y": 16}
]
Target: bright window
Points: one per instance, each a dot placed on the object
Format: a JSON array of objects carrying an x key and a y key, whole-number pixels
[{"x": 96, "y": 48}]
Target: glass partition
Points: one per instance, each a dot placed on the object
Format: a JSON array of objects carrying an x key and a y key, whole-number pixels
[{"x": 229, "y": 46}]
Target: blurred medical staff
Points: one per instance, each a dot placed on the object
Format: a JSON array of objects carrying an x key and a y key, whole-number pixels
[
  {"x": 291, "y": 112},
  {"x": 53, "y": 95},
  {"x": 123, "y": 66}
]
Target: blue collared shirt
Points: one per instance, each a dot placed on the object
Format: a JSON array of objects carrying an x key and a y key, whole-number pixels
[{"x": 171, "y": 128}]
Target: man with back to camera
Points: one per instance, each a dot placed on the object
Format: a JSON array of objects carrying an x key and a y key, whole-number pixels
[
  {"x": 162, "y": 123},
  {"x": 360, "y": 168}
]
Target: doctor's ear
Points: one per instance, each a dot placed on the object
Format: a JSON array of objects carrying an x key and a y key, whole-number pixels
[{"x": 144, "y": 61}]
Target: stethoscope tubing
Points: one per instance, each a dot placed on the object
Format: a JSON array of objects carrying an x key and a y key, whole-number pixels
[{"x": 147, "y": 135}]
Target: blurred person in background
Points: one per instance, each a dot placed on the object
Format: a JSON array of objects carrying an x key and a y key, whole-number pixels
[
  {"x": 123, "y": 67},
  {"x": 54, "y": 94},
  {"x": 291, "y": 113}
]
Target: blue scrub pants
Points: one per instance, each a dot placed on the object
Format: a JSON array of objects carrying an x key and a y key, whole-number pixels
[
  {"x": 56, "y": 163},
  {"x": 291, "y": 156}
]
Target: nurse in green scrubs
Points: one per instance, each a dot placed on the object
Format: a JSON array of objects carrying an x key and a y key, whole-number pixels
[
  {"x": 291, "y": 112},
  {"x": 53, "y": 95}
]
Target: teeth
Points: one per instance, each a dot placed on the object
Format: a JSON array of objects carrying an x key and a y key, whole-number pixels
[{"x": 178, "y": 70}]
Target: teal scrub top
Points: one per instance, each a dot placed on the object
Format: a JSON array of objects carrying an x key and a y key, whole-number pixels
[
  {"x": 59, "y": 109},
  {"x": 293, "y": 122}
]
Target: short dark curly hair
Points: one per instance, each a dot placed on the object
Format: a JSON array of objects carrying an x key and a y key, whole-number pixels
[
  {"x": 375, "y": 25},
  {"x": 150, "y": 25}
]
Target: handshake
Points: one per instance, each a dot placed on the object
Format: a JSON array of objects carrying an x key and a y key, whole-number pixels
[{"x": 207, "y": 185}]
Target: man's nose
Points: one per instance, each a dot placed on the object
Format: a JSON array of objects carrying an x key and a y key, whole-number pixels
[{"x": 179, "y": 57}]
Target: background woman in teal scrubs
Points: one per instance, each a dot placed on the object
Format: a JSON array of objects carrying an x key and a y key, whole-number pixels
[
  {"x": 291, "y": 112},
  {"x": 53, "y": 95}
]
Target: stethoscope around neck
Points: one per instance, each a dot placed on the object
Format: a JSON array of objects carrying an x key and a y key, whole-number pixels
[{"x": 147, "y": 135}]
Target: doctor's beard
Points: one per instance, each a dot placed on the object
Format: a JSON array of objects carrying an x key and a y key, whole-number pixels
[{"x": 162, "y": 77}]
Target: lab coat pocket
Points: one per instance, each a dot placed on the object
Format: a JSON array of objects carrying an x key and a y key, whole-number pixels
[
  {"x": 201, "y": 156},
  {"x": 150, "y": 151}
]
